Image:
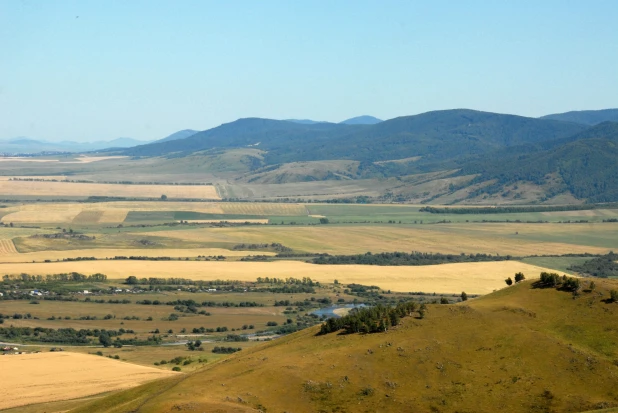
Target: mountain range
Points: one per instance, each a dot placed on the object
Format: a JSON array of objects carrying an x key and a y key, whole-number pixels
[
  {"x": 488, "y": 155},
  {"x": 474, "y": 156}
]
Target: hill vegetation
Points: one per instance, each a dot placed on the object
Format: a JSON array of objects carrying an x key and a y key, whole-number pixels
[
  {"x": 586, "y": 117},
  {"x": 585, "y": 165},
  {"x": 498, "y": 352}
]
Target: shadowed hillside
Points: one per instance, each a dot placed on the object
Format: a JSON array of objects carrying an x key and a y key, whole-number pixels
[
  {"x": 521, "y": 349},
  {"x": 586, "y": 117}
]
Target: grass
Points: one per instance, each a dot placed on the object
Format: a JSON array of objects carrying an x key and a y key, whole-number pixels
[
  {"x": 557, "y": 263},
  {"x": 503, "y": 351}
]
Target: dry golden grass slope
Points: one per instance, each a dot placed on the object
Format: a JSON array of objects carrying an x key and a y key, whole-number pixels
[
  {"x": 521, "y": 349},
  {"x": 47, "y": 377}
]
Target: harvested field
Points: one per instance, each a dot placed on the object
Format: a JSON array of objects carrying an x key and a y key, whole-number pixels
[
  {"x": 7, "y": 247},
  {"x": 474, "y": 278},
  {"x": 47, "y": 377},
  {"x": 246, "y": 208},
  {"x": 232, "y": 221},
  {"x": 113, "y": 215},
  {"x": 504, "y": 239},
  {"x": 87, "y": 217},
  {"x": 60, "y": 216},
  {"x": 8, "y": 256},
  {"x": 57, "y": 189}
]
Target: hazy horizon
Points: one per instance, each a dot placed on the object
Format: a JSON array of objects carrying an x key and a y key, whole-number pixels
[{"x": 92, "y": 71}]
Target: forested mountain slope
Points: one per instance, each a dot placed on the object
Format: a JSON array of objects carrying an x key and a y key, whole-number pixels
[
  {"x": 586, "y": 117},
  {"x": 587, "y": 163}
]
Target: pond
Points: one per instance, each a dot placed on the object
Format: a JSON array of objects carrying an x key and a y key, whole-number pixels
[{"x": 329, "y": 312}]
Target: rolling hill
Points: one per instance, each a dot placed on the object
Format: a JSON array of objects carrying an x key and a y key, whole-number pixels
[
  {"x": 434, "y": 136},
  {"x": 521, "y": 349},
  {"x": 586, "y": 117},
  {"x": 362, "y": 120}
]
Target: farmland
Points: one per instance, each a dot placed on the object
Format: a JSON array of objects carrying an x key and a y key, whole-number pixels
[
  {"x": 76, "y": 189},
  {"x": 475, "y": 278},
  {"x": 48, "y": 377},
  {"x": 504, "y": 239},
  {"x": 209, "y": 242}
]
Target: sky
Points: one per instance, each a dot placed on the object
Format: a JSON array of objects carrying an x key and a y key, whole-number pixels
[{"x": 95, "y": 70}]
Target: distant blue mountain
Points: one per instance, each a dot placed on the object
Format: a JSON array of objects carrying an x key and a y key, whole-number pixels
[
  {"x": 304, "y": 121},
  {"x": 362, "y": 120},
  {"x": 23, "y": 145},
  {"x": 179, "y": 135}
]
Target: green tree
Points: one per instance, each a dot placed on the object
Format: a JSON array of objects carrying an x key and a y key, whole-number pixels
[
  {"x": 163, "y": 197},
  {"x": 508, "y": 281},
  {"x": 324, "y": 221},
  {"x": 105, "y": 340},
  {"x": 132, "y": 280},
  {"x": 519, "y": 277},
  {"x": 464, "y": 296},
  {"x": 613, "y": 296}
]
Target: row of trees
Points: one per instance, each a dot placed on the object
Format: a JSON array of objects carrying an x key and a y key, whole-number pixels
[
  {"x": 372, "y": 319},
  {"x": 510, "y": 209},
  {"x": 63, "y": 277},
  {"x": 404, "y": 258}
]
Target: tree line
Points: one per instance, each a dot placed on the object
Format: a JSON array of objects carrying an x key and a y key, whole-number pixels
[
  {"x": 374, "y": 319},
  {"x": 513, "y": 209},
  {"x": 403, "y": 258},
  {"x": 62, "y": 277},
  {"x": 604, "y": 266}
]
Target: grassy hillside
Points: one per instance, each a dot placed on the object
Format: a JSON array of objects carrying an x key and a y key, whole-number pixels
[{"x": 521, "y": 349}]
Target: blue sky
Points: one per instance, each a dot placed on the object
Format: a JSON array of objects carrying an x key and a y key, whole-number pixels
[{"x": 90, "y": 70}]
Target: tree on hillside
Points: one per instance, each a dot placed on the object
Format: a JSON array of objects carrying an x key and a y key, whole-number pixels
[
  {"x": 324, "y": 221},
  {"x": 163, "y": 197},
  {"x": 464, "y": 296},
  {"x": 519, "y": 277},
  {"x": 508, "y": 281},
  {"x": 132, "y": 280}
]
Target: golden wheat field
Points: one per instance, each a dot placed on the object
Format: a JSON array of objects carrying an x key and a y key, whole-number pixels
[
  {"x": 7, "y": 247},
  {"x": 480, "y": 238},
  {"x": 47, "y": 188},
  {"x": 46, "y": 377},
  {"x": 12, "y": 256},
  {"x": 474, "y": 278},
  {"x": 116, "y": 212}
]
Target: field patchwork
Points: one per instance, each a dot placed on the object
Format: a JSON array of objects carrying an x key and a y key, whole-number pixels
[{"x": 47, "y": 377}]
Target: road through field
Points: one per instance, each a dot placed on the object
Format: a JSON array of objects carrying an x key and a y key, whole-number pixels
[
  {"x": 46, "y": 377},
  {"x": 474, "y": 278}
]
